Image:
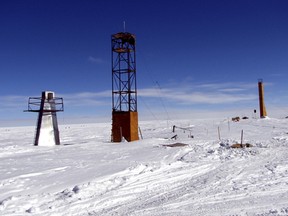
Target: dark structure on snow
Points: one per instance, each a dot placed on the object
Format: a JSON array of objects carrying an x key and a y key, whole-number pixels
[
  {"x": 124, "y": 89},
  {"x": 47, "y": 132},
  {"x": 263, "y": 112}
]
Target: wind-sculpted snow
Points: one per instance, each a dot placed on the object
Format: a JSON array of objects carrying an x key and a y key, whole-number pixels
[{"x": 89, "y": 175}]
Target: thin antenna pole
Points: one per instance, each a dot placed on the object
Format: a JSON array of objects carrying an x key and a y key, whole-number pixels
[
  {"x": 124, "y": 26},
  {"x": 161, "y": 100}
]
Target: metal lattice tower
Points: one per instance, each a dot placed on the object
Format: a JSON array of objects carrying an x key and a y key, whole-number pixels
[{"x": 124, "y": 92}]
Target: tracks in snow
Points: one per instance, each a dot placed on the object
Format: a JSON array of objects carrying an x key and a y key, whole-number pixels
[{"x": 201, "y": 181}]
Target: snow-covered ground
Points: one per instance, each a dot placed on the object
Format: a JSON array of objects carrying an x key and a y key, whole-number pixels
[{"x": 89, "y": 175}]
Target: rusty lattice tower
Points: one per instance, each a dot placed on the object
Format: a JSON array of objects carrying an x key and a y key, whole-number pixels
[{"x": 124, "y": 89}]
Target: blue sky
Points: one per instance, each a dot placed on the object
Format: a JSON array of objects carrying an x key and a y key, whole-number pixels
[{"x": 191, "y": 55}]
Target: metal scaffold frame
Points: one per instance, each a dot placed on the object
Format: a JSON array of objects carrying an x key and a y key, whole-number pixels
[
  {"x": 35, "y": 104},
  {"x": 124, "y": 89}
]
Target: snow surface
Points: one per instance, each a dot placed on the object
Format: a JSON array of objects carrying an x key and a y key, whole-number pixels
[{"x": 89, "y": 175}]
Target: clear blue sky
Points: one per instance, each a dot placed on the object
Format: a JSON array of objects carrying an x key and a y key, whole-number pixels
[{"x": 191, "y": 55}]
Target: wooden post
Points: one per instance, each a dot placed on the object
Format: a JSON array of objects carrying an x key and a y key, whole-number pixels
[
  {"x": 219, "y": 133},
  {"x": 140, "y": 133}
]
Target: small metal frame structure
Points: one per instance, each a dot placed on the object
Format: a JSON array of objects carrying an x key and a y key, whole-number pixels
[
  {"x": 47, "y": 132},
  {"x": 124, "y": 89}
]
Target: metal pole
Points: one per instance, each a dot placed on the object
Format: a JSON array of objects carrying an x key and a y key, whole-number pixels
[{"x": 140, "y": 133}]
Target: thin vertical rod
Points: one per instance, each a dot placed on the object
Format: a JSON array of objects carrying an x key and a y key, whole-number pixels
[{"x": 219, "y": 133}]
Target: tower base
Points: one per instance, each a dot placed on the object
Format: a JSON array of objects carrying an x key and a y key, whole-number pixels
[
  {"x": 47, "y": 132},
  {"x": 124, "y": 124}
]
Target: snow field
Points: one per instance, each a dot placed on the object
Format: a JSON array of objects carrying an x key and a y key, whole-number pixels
[{"x": 89, "y": 175}]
